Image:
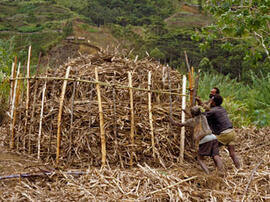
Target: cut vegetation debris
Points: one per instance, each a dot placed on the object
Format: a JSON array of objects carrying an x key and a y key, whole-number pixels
[{"x": 183, "y": 182}]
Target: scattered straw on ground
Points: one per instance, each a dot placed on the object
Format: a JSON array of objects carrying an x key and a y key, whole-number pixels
[{"x": 185, "y": 182}]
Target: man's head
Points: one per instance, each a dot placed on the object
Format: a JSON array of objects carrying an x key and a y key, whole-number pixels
[
  {"x": 213, "y": 92},
  {"x": 195, "y": 111},
  {"x": 216, "y": 100}
]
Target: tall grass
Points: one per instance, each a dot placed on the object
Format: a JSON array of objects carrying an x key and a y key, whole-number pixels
[{"x": 247, "y": 104}]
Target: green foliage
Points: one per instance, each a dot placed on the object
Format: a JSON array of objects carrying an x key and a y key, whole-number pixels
[
  {"x": 30, "y": 28},
  {"x": 246, "y": 21},
  {"x": 259, "y": 99},
  {"x": 246, "y": 104}
]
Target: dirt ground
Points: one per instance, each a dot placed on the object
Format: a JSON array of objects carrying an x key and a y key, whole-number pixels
[{"x": 185, "y": 182}]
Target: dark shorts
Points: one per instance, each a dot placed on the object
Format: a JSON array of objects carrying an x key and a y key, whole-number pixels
[{"x": 209, "y": 148}]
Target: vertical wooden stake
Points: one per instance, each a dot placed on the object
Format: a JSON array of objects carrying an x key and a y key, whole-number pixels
[
  {"x": 27, "y": 94},
  {"x": 101, "y": 122},
  {"x": 41, "y": 117},
  {"x": 12, "y": 76},
  {"x": 71, "y": 116},
  {"x": 14, "y": 108},
  {"x": 151, "y": 115},
  {"x": 131, "y": 117},
  {"x": 170, "y": 89},
  {"x": 60, "y": 115},
  {"x": 182, "y": 141}
]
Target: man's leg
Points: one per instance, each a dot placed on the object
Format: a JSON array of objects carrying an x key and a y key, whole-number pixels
[
  {"x": 235, "y": 159},
  {"x": 202, "y": 164},
  {"x": 218, "y": 162}
]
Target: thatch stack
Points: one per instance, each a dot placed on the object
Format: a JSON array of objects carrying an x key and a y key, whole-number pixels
[{"x": 80, "y": 119}]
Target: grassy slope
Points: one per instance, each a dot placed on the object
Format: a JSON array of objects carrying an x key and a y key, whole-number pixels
[{"x": 45, "y": 26}]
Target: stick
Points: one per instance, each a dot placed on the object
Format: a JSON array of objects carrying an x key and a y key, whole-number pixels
[
  {"x": 170, "y": 89},
  {"x": 191, "y": 75},
  {"x": 27, "y": 95},
  {"x": 150, "y": 115},
  {"x": 41, "y": 174},
  {"x": 187, "y": 63},
  {"x": 131, "y": 117},
  {"x": 13, "y": 109},
  {"x": 182, "y": 141},
  {"x": 41, "y": 117},
  {"x": 60, "y": 116},
  {"x": 195, "y": 91},
  {"x": 95, "y": 82},
  {"x": 172, "y": 185},
  {"x": 71, "y": 116},
  {"x": 101, "y": 122},
  {"x": 250, "y": 179},
  {"x": 12, "y": 75},
  {"x": 34, "y": 106}
]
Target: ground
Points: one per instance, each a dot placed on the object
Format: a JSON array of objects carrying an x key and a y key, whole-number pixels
[{"x": 184, "y": 181}]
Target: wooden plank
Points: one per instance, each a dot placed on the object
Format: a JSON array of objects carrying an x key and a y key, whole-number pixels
[{"x": 60, "y": 115}]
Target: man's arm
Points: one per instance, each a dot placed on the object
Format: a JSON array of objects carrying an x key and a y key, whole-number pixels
[{"x": 187, "y": 123}]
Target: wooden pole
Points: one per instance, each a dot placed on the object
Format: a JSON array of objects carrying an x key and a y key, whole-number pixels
[
  {"x": 191, "y": 87},
  {"x": 131, "y": 117},
  {"x": 71, "y": 116},
  {"x": 27, "y": 94},
  {"x": 60, "y": 116},
  {"x": 41, "y": 117},
  {"x": 12, "y": 75},
  {"x": 34, "y": 106},
  {"x": 170, "y": 90},
  {"x": 182, "y": 140},
  {"x": 150, "y": 114},
  {"x": 101, "y": 122},
  {"x": 13, "y": 109}
]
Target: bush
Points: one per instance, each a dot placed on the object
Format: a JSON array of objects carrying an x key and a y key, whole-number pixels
[{"x": 30, "y": 28}]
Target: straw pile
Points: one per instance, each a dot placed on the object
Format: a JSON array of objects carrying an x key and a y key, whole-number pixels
[
  {"x": 80, "y": 119},
  {"x": 185, "y": 182}
]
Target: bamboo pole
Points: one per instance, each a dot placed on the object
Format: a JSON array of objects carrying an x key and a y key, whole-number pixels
[
  {"x": 71, "y": 116},
  {"x": 100, "y": 83},
  {"x": 151, "y": 115},
  {"x": 191, "y": 87},
  {"x": 27, "y": 94},
  {"x": 60, "y": 116},
  {"x": 13, "y": 109},
  {"x": 41, "y": 117},
  {"x": 182, "y": 140},
  {"x": 12, "y": 75},
  {"x": 131, "y": 117},
  {"x": 170, "y": 89},
  {"x": 34, "y": 105},
  {"x": 101, "y": 122}
]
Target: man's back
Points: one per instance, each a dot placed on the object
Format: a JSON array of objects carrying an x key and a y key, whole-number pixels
[{"x": 218, "y": 119}]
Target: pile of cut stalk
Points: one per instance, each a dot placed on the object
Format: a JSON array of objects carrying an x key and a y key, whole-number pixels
[{"x": 107, "y": 105}]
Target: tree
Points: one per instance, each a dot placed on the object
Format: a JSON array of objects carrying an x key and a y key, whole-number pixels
[{"x": 240, "y": 20}]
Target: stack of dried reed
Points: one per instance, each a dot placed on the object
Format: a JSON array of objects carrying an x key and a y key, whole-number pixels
[{"x": 80, "y": 125}]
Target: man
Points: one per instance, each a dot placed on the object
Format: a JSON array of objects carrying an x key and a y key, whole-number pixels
[
  {"x": 207, "y": 105},
  {"x": 208, "y": 144},
  {"x": 222, "y": 127}
]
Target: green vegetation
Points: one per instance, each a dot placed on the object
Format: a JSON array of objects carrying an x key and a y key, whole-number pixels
[
  {"x": 221, "y": 38},
  {"x": 246, "y": 104}
]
